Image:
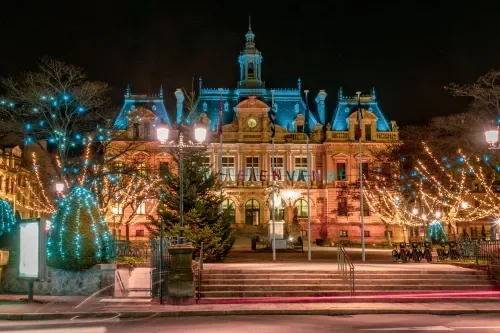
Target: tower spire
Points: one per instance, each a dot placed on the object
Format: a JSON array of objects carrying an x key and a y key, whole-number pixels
[
  {"x": 249, "y": 22},
  {"x": 127, "y": 91},
  {"x": 161, "y": 90}
]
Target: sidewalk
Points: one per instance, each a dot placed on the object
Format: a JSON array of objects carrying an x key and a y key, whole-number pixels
[{"x": 68, "y": 307}]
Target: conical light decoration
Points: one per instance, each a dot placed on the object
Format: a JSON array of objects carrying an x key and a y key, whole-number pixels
[{"x": 79, "y": 237}]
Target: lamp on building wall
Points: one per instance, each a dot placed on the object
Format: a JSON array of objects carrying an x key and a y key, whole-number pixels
[
  {"x": 162, "y": 133},
  {"x": 289, "y": 196},
  {"x": 59, "y": 187}
]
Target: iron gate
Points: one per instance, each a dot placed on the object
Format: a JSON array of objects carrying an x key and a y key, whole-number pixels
[{"x": 159, "y": 267}]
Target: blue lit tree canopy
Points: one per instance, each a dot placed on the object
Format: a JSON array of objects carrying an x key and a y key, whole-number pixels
[
  {"x": 437, "y": 233},
  {"x": 55, "y": 104},
  {"x": 79, "y": 237},
  {"x": 7, "y": 219}
]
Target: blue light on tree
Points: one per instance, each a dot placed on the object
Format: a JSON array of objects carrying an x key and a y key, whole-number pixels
[
  {"x": 79, "y": 237},
  {"x": 7, "y": 219}
]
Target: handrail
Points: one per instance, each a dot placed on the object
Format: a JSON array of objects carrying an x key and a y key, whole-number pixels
[
  {"x": 200, "y": 269},
  {"x": 343, "y": 261},
  {"x": 122, "y": 286}
]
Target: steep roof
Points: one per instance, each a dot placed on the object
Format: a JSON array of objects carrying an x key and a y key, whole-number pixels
[
  {"x": 132, "y": 102},
  {"x": 347, "y": 105}
]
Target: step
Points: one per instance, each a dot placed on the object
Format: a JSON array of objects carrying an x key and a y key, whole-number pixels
[
  {"x": 360, "y": 276},
  {"x": 300, "y": 293},
  {"x": 335, "y": 271},
  {"x": 315, "y": 281},
  {"x": 343, "y": 286}
]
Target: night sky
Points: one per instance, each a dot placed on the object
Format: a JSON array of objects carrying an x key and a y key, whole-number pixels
[{"x": 407, "y": 49}]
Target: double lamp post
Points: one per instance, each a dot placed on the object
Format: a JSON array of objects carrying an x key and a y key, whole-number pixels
[{"x": 162, "y": 133}]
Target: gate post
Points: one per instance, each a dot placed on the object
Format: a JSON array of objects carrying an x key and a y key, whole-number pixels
[{"x": 180, "y": 275}]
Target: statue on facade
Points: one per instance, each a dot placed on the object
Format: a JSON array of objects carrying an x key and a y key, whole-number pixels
[{"x": 395, "y": 127}]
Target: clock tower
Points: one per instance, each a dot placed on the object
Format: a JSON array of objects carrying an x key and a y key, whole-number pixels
[{"x": 250, "y": 61}]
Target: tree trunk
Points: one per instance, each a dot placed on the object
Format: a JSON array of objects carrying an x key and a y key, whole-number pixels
[
  {"x": 127, "y": 232},
  {"x": 389, "y": 243}
]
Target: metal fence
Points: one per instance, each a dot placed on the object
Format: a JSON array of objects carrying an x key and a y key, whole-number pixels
[
  {"x": 133, "y": 249},
  {"x": 477, "y": 249}
]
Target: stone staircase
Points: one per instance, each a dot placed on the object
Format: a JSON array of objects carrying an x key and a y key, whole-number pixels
[{"x": 231, "y": 284}]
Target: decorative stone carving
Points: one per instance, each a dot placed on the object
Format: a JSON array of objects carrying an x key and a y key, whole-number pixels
[{"x": 204, "y": 119}]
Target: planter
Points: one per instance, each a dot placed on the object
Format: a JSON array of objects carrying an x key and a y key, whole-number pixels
[
  {"x": 4, "y": 257},
  {"x": 323, "y": 242}
]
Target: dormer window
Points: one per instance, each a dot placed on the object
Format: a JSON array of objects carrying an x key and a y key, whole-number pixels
[
  {"x": 226, "y": 106},
  {"x": 297, "y": 108},
  {"x": 300, "y": 128},
  {"x": 347, "y": 110},
  {"x": 205, "y": 106}
]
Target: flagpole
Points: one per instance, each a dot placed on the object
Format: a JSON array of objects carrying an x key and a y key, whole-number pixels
[
  {"x": 274, "y": 181},
  {"x": 220, "y": 148},
  {"x": 308, "y": 182},
  {"x": 360, "y": 131}
]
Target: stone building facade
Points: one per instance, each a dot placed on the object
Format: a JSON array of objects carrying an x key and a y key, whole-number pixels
[{"x": 245, "y": 164}]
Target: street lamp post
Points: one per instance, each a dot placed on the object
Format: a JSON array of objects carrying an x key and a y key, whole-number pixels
[{"x": 200, "y": 134}]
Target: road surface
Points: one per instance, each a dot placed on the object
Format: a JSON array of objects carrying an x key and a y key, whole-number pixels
[{"x": 265, "y": 324}]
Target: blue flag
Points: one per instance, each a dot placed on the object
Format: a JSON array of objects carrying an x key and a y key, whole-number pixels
[{"x": 307, "y": 129}]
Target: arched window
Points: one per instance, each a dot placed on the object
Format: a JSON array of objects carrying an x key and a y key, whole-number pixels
[
  {"x": 301, "y": 208},
  {"x": 228, "y": 205},
  {"x": 252, "y": 212},
  {"x": 251, "y": 70}
]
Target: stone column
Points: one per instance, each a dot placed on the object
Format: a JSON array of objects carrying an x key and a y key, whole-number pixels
[{"x": 180, "y": 275}]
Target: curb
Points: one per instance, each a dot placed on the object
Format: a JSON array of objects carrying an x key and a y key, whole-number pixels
[{"x": 201, "y": 313}]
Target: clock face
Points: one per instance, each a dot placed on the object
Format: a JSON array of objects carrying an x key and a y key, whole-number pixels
[{"x": 252, "y": 123}]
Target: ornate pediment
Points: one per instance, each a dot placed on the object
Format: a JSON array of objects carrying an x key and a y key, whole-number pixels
[{"x": 252, "y": 104}]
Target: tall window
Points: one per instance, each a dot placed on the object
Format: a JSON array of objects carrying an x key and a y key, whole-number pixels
[
  {"x": 368, "y": 132},
  {"x": 163, "y": 169},
  {"x": 228, "y": 205},
  {"x": 366, "y": 170},
  {"x": 142, "y": 169},
  {"x": 366, "y": 208},
  {"x": 300, "y": 128},
  {"x": 147, "y": 131},
  {"x": 205, "y": 164},
  {"x": 252, "y": 169},
  {"x": 136, "y": 133},
  {"x": 278, "y": 167},
  {"x": 301, "y": 207},
  {"x": 118, "y": 209},
  {"x": 342, "y": 206},
  {"x": 252, "y": 212},
  {"x": 228, "y": 168},
  {"x": 141, "y": 209},
  {"x": 300, "y": 166},
  {"x": 341, "y": 171}
]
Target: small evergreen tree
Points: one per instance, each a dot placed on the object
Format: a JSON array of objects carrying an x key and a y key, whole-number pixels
[
  {"x": 79, "y": 237},
  {"x": 203, "y": 219},
  {"x": 437, "y": 233}
]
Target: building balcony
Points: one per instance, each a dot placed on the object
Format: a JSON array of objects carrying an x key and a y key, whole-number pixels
[
  {"x": 337, "y": 136},
  {"x": 387, "y": 136},
  {"x": 295, "y": 138}
]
